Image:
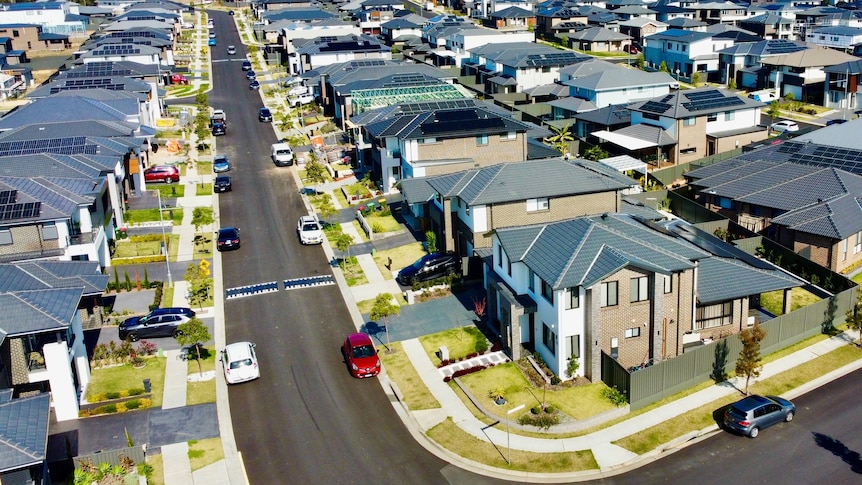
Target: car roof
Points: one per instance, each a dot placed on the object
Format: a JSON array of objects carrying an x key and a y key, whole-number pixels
[
  {"x": 223, "y": 178},
  {"x": 264, "y": 109},
  {"x": 357, "y": 339},
  {"x": 238, "y": 350},
  {"x": 306, "y": 219},
  {"x": 751, "y": 402},
  {"x": 227, "y": 230},
  {"x": 220, "y": 157}
]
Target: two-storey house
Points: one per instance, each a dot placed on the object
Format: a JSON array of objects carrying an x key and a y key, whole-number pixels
[
  {"x": 621, "y": 285},
  {"x": 313, "y": 53},
  {"x": 843, "y": 85},
  {"x": 684, "y": 51},
  {"x": 835, "y": 37},
  {"x": 743, "y": 62},
  {"x": 802, "y": 73},
  {"x": 515, "y": 66}
]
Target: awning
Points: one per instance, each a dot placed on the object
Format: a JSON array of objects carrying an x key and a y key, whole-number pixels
[
  {"x": 637, "y": 137},
  {"x": 444, "y": 53},
  {"x": 624, "y": 163},
  {"x": 625, "y": 141}
]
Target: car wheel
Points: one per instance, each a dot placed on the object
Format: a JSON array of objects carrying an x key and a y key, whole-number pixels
[
  {"x": 133, "y": 337},
  {"x": 754, "y": 432},
  {"x": 169, "y": 180},
  {"x": 177, "y": 333},
  {"x": 414, "y": 280},
  {"x": 789, "y": 416},
  {"x": 450, "y": 271}
]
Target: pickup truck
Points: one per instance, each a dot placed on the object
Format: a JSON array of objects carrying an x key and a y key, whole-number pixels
[{"x": 300, "y": 100}]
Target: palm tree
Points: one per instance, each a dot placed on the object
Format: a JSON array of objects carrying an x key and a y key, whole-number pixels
[{"x": 561, "y": 138}]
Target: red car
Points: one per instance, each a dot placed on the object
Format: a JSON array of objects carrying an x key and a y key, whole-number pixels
[
  {"x": 360, "y": 356},
  {"x": 179, "y": 79},
  {"x": 162, "y": 173}
]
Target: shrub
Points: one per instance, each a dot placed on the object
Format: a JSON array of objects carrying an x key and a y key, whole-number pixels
[
  {"x": 146, "y": 348},
  {"x": 108, "y": 408},
  {"x": 159, "y": 258},
  {"x": 481, "y": 346},
  {"x": 540, "y": 419},
  {"x": 378, "y": 228},
  {"x": 136, "y": 392},
  {"x": 615, "y": 396},
  {"x": 497, "y": 347},
  {"x": 555, "y": 380},
  {"x": 112, "y": 395},
  {"x": 146, "y": 238},
  {"x": 133, "y": 404}
]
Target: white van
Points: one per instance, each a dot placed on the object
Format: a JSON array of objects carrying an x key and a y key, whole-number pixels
[
  {"x": 282, "y": 154},
  {"x": 764, "y": 95}
]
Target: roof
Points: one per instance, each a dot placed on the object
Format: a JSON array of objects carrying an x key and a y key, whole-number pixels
[
  {"x": 598, "y": 34},
  {"x": 611, "y": 115},
  {"x": 24, "y": 431},
  {"x": 526, "y": 55},
  {"x": 684, "y": 23},
  {"x": 679, "y": 35},
  {"x": 767, "y": 19},
  {"x": 510, "y": 182},
  {"x": 587, "y": 67},
  {"x": 445, "y": 123},
  {"x": 36, "y": 275},
  {"x": 770, "y": 47},
  {"x": 36, "y": 311},
  {"x": 837, "y": 30},
  {"x": 636, "y": 137},
  {"x": 815, "y": 57},
  {"x": 614, "y": 79},
  {"x": 694, "y": 102},
  {"x": 642, "y": 21},
  {"x": 512, "y": 13},
  {"x": 574, "y": 105}
]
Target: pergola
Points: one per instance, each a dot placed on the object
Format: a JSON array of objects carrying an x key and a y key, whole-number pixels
[{"x": 366, "y": 99}]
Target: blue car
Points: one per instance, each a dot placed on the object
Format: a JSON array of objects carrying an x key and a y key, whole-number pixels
[
  {"x": 753, "y": 413},
  {"x": 250, "y": 75},
  {"x": 211, "y": 42},
  {"x": 221, "y": 164}
]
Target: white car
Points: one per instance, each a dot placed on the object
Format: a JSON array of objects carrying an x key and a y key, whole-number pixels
[
  {"x": 300, "y": 100},
  {"x": 240, "y": 363},
  {"x": 309, "y": 230},
  {"x": 231, "y": 50},
  {"x": 785, "y": 125}
]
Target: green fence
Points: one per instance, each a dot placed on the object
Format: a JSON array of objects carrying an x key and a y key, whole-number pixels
[{"x": 667, "y": 176}]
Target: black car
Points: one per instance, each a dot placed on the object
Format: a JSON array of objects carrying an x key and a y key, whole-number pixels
[
  {"x": 250, "y": 75},
  {"x": 246, "y": 65},
  {"x": 219, "y": 128},
  {"x": 264, "y": 115},
  {"x": 429, "y": 267},
  {"x": 222, "y": 184},
  {"x": 254, "y": 85},
  {"x": 835, "y": 122},
  {"x": 228, "y": 238},
  {"x": 161, "y": 322}
]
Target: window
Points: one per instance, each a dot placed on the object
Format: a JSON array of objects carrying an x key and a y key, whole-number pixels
[
  {"x": 729, "y": 115},
  {"x": 5, "y": 237},
  {"x": 858, "y": 245},
  {"x": 547, "y": 292},
  {"x": 500, "y": 256},
  {"x": 633, "y": 332},
  {"x": 609, "y": 294},
  {"x": 427, "y": 141},
  {"x": 714, "y": 316},
  {"x": 844, "y": 246},
  {"x": 509, "y": 266},
  {"x": 712, "y": 117},
  {"x": 510, "y": 136},
  {"x": 574, "y": 300},
  {"x": 549, "y": 339},
  {"x": 688, "y": 121},
  {"x": 688, "y": 151},
  {"x": 531, "y": 281},
  {"x": 668, "y": 284},
  {"x": 546, "y": 69},
  {"x": 615, "y": 348},
  {"x": 639, "y": 289},
  {"x": 540, "y": 204},
  {"x": 49, "y": 232},
  {"x": 725, "y": 203},
  {"x": 574, "y": 344},
  {"x": 482, "y": 140},
  {"x": 650, "y": 116}
]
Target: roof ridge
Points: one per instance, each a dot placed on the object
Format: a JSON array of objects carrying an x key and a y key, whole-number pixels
[{"x": 576, "y": 252}]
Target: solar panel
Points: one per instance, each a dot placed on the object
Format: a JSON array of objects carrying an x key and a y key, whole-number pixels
[
  {"x": 66, "y": 146},
  {"x": 8, "y": 196},
  {"x": 655, "y": 107}
]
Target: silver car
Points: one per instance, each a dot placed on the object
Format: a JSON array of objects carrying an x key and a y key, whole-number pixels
[{"x": 309, "y": 230}]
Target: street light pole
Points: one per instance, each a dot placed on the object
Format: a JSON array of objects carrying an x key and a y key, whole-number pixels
[
  {"x": 165, "y": 240},
  {"x": 508, "y": 444}
]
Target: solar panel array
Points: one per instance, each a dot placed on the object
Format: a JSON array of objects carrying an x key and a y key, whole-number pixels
[
  {"x": 135, "y": 33},
  {"x": 117, "y": 50},
  {"x": 655, "y": 107},
  {"x": 709, "y": 100},
  {"x": 456, "y": 125},
  {"x": 20, "y": 211},
  {"x": 417, "y": 108},
  {"x": 97, "y": 69},
  {"x": 110, "y": 87},
  {"x": 551, "y": 59},
  {"x": 65, "y": 146},
  {"x": 846, "y": 159},
  {"x": 783, "y": 46},
  {"x": 8, "y": 196}
]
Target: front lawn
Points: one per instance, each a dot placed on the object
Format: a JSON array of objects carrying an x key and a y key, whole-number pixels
[
  {"x": 125, "y": 377},
  {"x": 401, "y": 257},
  {"x": 202, "y": 391},
  {"x": 460, "y": 342},
  {"x": 168, "y": 191},
  {"x": 401, "y": 371},
  {"x": 382, "y": 223},
  {"x": 128, "y": 249},
  {"x": 203, "y": 189},
  {"x": 137, "y": 216}
]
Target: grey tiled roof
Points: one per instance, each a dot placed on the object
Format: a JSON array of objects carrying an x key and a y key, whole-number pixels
[
  {"x": 714, "y": 274},
  {"x": 838, "y": 218},
  {"x": 28, "y": 312},
  {"x": 446, "y": 123},
  {"x": 62, "y": 109},
  {"x": 36, "y": 275},
  {"x": 676, "y": 103},
  {"x": 509, "y": 182},
  {"x": 618, "y": 78},
  {"x": 24, "y": 431},
  {"x": 416, "y": 190}
]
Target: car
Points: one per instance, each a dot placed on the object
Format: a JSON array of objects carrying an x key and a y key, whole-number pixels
[
  {"x": 254, "y": 85},
  {"x": 221, "y": 164},
  {"x": 179, "y": 79},
  {"x": 161, "y": 322},
  {"x": 430, "y": 266},
  {"x": 162, "y": 173},
  {"x": 212, "y": 35},
  {"x": 784, "y": 126},
  {"x": 835, "y": 122},
  {"x": 228, "y": 238},
  {"x": 231, "y": 50},
  {"x": 246, "y": 65},
  {"x": 297, "y": 90},
  {"x": 210, "y": 24},
  {"x": 187, "y": 25},
  {"x": 631, "y": 49},
  {"x": 219, "y": 128},
  {"x": 230, "y": 12},
  {"x": 264, "y": 115},
  {"x": 222, "y": 184},
  {"x": 211, "y": 42},
  {"x": 300, "y": 100},
  {"x": 309, "y": 230},
  {"x": 250, "y": 75},
  {"x": 360, "y": 356},
  {"x": 753, "y": 413},
  {"x": 240, "y": 363}
]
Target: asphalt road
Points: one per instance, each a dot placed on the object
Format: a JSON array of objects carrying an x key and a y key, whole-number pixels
[{"x": 306, "y": 420}]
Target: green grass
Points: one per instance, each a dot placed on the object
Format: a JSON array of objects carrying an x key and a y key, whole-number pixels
[
  {"x": 353, "y": 272},
  {"x": 460, "y": 342},
  {"x": 171, "y": 190},
  {"x": 387, "y": 222},
  {"x": 203, "y": 189},
  {"x": 362, "y": 236},
  {"x": 124, "y": 377},
  {"x": 202, "y": 392},
  {"x": 174, "y": 246},
  {"x": 137, "y": 216},
  {"x": 127, "y": 249},
  {"x": 205, "y": 452},
  {"x": 401, "y": 371},
  {"x": 772, "y": 300},
  {"x": 204, "y": 168},
  {"x": 203, "y": 245},
  {"x": 401, "y": 256}
]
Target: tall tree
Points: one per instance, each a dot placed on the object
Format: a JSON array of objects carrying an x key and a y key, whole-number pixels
[
  {"x": 194, "y": 333},
  {"x": 561, "y": 138},
  {"x": 383, "y": 309},
  {"x": 854, "y": 317},
  {"x": 748, "y": 362}
]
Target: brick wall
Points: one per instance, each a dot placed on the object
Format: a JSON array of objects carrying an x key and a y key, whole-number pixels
[
  {"x": 26, "y": 239},
  {"x": 496, "y": 151}
]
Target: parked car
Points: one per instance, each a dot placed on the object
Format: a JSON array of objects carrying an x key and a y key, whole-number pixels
[
  {"x": 161, "y": 322},
  {"x": 212, "y": 35},
  {"x": 300, "y": 100},
  {"x": 246, "y": 65},
  {"x": 228, "y": 238},
  {"x": 221, "y": 164},
  {"x": 254, "y": 85},
  {"x": 835, "y": 122},
  {"x": 231, "y": 50},
  {"x": 250, "y": 75},
  {"x": 309, "y": 230},
  {"x": 784, "y": 125},
  {"x": 162, "y": 173},
  {"x": 222, "y": 184},
  {"x": 430, "y": 266},
  {"x": 179, "y": 79},
  {"x": 753, "y": 413},
  {"x": 631, "y": 49},
  {"x": 219, "y": 127},
  {"x": 264, "y": 115},
  {"x": 297, "y": 90},
  {"x": 230, "y": 12},
  {"x": 240, "y": 363},
  {"x": 360, "y": 355},
  {"x": 210, "y": 24},
  {"x": 211, "y": 41},
  {"x": 187, "y": 25}
]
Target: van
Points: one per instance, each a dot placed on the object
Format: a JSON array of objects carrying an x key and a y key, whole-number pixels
[
  {"x": 764, "y": 96},
  {"x": 282, "y": 154}
]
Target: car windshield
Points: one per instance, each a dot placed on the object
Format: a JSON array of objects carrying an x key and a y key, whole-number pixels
[
  {"x": 423, "y": 261},
  {"x": 240, "y": 363},
  {"x": 309, "y": 226},
  {"x": 227, "y": 233},
  {"x": 363, "y": 351}
]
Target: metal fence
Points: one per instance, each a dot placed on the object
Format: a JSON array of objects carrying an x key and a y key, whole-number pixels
[
  {"x": 699, "y": 364},
  {"x": 669, "y": 175}
]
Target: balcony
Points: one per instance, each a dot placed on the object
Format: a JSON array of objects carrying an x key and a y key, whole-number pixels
[{"x": 84, "y": 237}]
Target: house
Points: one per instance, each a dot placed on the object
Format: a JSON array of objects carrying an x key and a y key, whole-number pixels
[
  {"x": 288, "y": 32},
  {"x": 548, "y": 18},
  {"x": 30, "y": 37},
  {"x": 276, "y": 5},
  {"x": 843, "y": 85},
  {"x": 598, "y": 39},
  {"x": 775, "y": 199},
  {"x": 421, "y": 139},
  {"x": 377, "y": 12},
  {"x": 43, "y": 339},
  {"x": 769, "y": 26},
  {"x": 802, "y": 73},
  {"x": 512, "y": 67},
  {"x": 685, "y": 51},
  {"x": 609, "y": 118},
  {"x": 638, "y": 11},
  {"x": 463, "y": 208},
  {"x": 685, "y": 23},
  {"x": 725, "y": 12},
  {"x": 511, "y": 18},
  {"x": 621, "y": 285},
  {"x": 459, "y": 42},
  {"x": 835, "y": 37},
  {"x": 54, "y": 17},
  {"x": 743, "y": 62},
  {"x": 24, "y": 421},
  {"x": 401, "y": 29},
  {"x": 620, "y": 86},
  {"x": 314, "y": 53},
  {"x": 825, "y": 16},
  {"x": 688, "y": 125},
  {"x": 639, "y": 27}
]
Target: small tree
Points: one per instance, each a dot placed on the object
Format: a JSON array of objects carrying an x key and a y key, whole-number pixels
[
  {"x": 561, "y": 138},
  {"x": 315, "y": 172},
  {"x": 748, "y": 362},
  {"x": 639, "y": 62},
  {"x": 194, "y": 333},
  {"x": 383, "y": 309},
  {"x": 854, "y": 317},
  {"x": 695, "y": 78},
  {"x": 326, "y": 208},
  {"x": 199, "y": 284},
  {"x": 343, "y": 242},
  {"x": 573, "y": 367},
  {"x": 774, "y": 111},
  {"x": 431, "y": 241},
  {"x": 663, "y": 67},
  {"x": 595, "y": 153},
  {"x": 201, "y": 216}
]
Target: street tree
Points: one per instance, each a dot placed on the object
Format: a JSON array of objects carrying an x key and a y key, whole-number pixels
[
  {"x": 774, "y": 111},
  {"x": 201, "y": 216},
  {"x": 695, "y": 78},
  {"x": 194, "y": 333},
  {"x": 343, "y": 242},
  {"x": 325, "y": 207},
  {"x": 315, "y": 172},
  {"x": 383, "y": 309},
  {"x": 748, "y": 362},
  {"x": 199, "y": 282}
]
